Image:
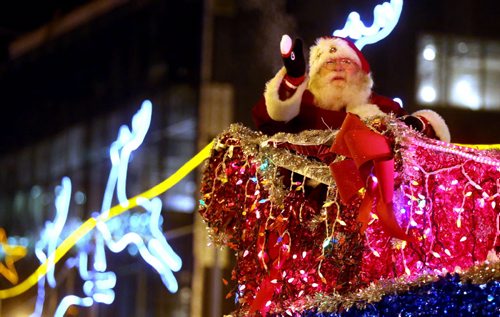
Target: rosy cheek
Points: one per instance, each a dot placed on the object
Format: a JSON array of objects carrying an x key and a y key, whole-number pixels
[{"x": 352, "y": 72}]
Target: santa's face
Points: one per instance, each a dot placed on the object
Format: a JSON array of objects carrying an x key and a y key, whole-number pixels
[
  {"x": 340, "y": 82},
  {"x": 339, "y": 72}
]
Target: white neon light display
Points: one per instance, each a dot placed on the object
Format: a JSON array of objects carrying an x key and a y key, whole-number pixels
[
  {"x": 385, "y": 18},
  {"x": 49, "y": 240},
  {"x": 119, "y": 153},
  {"x": 62, "y": 206},
  {"x": 153, "y": 247},
  {"x": 71, "y": 300}
]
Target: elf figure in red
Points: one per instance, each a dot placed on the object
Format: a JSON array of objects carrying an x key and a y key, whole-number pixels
[{"x": 339, "y": 81}]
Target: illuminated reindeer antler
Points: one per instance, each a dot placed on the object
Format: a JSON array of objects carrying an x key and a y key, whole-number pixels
[{"x": 385, "y": 18}]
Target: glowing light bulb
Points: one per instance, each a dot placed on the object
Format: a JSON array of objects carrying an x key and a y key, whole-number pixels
[
  {"x": 429, "y": 53},
  {"x": 428, "y": 94}
]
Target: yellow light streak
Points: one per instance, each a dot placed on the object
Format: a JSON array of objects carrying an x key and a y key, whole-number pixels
[
  {"x": 481, "y": 146},
  {"x": 90, "y": 224}
]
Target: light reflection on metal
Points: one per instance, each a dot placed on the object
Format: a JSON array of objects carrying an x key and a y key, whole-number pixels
[
  {"x": 385, "y": 18},
  {"x": 399, "y": 101}
]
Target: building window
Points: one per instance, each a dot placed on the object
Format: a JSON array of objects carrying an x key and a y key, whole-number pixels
[{"x": 458, "y": 72}]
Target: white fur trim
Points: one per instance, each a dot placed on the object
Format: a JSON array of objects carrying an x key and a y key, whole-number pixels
[
  {"x": 320, "y": 53},
  {"x": 282, "y": 110},
  {"x": 437, "y": 123},
  {"x": 366, "y": 111}
]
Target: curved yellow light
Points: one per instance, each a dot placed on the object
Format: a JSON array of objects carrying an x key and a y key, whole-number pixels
[{"x": 90, "y": 224}]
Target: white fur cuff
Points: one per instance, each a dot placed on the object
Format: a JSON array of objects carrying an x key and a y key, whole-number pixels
[
  {"x": 282, "y": 110},
  {"x": 365, "y": 111},
  {"x": 437, "y": 123}
]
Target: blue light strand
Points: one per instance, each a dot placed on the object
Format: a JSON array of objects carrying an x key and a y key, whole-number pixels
[
  {"x": 62, "y": 202},
  {"x": 71, "y": 300},
  {"x": 119, "y": 153}
]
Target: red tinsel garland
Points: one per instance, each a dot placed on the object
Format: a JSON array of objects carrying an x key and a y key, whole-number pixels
[{"x": 294, "y": 238}]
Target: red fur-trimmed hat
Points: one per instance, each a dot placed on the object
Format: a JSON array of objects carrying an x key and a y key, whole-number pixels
[{"x": 329, "y": 47}]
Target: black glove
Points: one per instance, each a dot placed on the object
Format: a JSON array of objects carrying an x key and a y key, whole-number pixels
[
  {"x": 293, "y": 56},
  {"x": 414, "y": 122}
]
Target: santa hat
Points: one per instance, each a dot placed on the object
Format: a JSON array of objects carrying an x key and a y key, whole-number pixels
[{"x": 333, "y": 47}]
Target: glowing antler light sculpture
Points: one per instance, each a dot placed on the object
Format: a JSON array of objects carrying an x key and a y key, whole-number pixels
[
  {"x": 385, "y": 18},
  {"x": 98, "y": 281},
  {"x": 154, "y": 249}
]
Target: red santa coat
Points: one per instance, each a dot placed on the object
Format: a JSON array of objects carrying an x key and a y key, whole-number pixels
[
  {"x": 286, "y": 109},
  {"x": 311, "y": 117}
]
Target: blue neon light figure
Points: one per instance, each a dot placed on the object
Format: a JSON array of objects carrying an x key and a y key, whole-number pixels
[
  {"x": 385, "y": 18},
  {"x": 152, "y": 245}
]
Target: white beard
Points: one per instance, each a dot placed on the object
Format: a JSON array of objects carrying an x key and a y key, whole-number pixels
[{"x": 331, "y": 96}]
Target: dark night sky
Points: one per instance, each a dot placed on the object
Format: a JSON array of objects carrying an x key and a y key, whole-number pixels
[
  {"x": 92, "y": 70},
  {"x": 26, "y": 81},
  {"x": 76, "y": 70}
]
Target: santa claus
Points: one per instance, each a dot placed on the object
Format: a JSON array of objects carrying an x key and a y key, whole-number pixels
[{"x": 339, "y": 81}]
